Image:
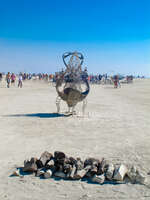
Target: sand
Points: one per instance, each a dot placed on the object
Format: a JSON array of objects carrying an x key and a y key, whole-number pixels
[{"x": 116, "y": 126}]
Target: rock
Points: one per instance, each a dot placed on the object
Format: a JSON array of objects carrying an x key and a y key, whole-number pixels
[
  {"x": 132, "y": 174},
  {"x": 94, "y": 163},
  {"x": 80, "y": 174},
  {"x": 60, "y": 174},
  {"x": 39, "y": 164},
  {"x": 91, "y": 161},
  {"x": 45, "y": 158},
  {"x": 135, "y": 176},
  {"x": 59, "y": 157},
  {"x": 88, "y": 167},
  {"x": 67, "y": 161},
  {"x": 88, "y": 175},
  {"x": 102, "y": 167},
  {"x": 40, "y": 172},
  {"x": 51, "y": 163},
  {"x": 98, "y": 179},
  {"x": 133, "y": 169},
  {"x": 48, "y": 174},
  {"x": 16, "y": 173},
  {"x": 67, "y": 168},
  {"x": 93, "y": 170},
  {"x": 72, "y": 173},
  {"x": 120, "y": 173},
  {"x": 60, "y": 168},
  {"x": 30, "y": 166},
  {"x": 72, "y": 161},
  {"x": 110, "y": 171},
  {"x": 79, "y": 164},
  {"x": 140, "y": 178}
]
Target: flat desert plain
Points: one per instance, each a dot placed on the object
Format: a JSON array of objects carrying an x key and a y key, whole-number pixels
[{"x": 116, "y": 126}]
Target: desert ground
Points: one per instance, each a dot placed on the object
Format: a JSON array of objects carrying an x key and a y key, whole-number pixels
[{"x": 116, "y": 126}]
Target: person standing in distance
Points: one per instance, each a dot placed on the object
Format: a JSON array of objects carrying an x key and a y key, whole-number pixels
[{"x": 20, "y": 81}]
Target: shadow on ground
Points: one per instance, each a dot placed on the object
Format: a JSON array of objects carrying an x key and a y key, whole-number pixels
[
  {"x": 39, "y": 115},
  {"x": 87, "y": 180}
]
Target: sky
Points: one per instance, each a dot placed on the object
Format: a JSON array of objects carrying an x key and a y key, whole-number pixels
[{"x": 113, "y": 35}]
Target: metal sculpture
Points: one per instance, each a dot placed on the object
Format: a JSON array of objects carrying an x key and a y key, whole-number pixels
[{"x": 71, "y": 81}]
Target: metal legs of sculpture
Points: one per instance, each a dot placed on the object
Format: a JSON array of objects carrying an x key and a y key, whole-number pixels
[{"x": 73, "y": 78}]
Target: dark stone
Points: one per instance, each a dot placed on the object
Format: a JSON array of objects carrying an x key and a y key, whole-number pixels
[
  {"x": 91, "y": 161},
  {"x": 89, "y": 175},
  {"x": 67, "y": 168},
  {"x": 30, "y": 166},
  {"x": 61, "y": 168},
  {"x": 72, "y": 161},
  {"x": 102, "y": 167},
  {"x": 67, "y": 161},
  {"x": 94, "y": 170},
  {"x": 39, "y": 164},
  {"x": 59, "y": 157}
]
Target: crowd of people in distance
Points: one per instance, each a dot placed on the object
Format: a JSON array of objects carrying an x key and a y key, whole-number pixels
[
  {"x": 97, "y": 79},
  {"x": 12, "y": 78}
]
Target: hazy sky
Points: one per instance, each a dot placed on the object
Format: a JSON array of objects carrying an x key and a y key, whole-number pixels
[{"x": 113, "y": 35}]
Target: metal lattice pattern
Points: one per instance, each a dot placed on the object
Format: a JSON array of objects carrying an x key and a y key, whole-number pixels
[{"x": 72, "y": 79}]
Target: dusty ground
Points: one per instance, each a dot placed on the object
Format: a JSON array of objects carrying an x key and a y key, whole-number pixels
[{"x": 116, "y": 126}]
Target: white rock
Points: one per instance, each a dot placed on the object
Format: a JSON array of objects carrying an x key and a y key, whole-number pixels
[
  {"x": 48, "y": 174},
  {"x": 136, "y": 176},
  {"x": 51, "y": 163},
  {"x": 40, "y": 172},
  {"x": 140, "y": 178},
  {"x": 120, "y": 173},
  {"x": 98, "y": 178},
  {"x": 71, "y": 175},
  {"x": 110, "y": 171},
  {"x": 132, "y": 174},
  {"x": 80, "y": 174}
]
